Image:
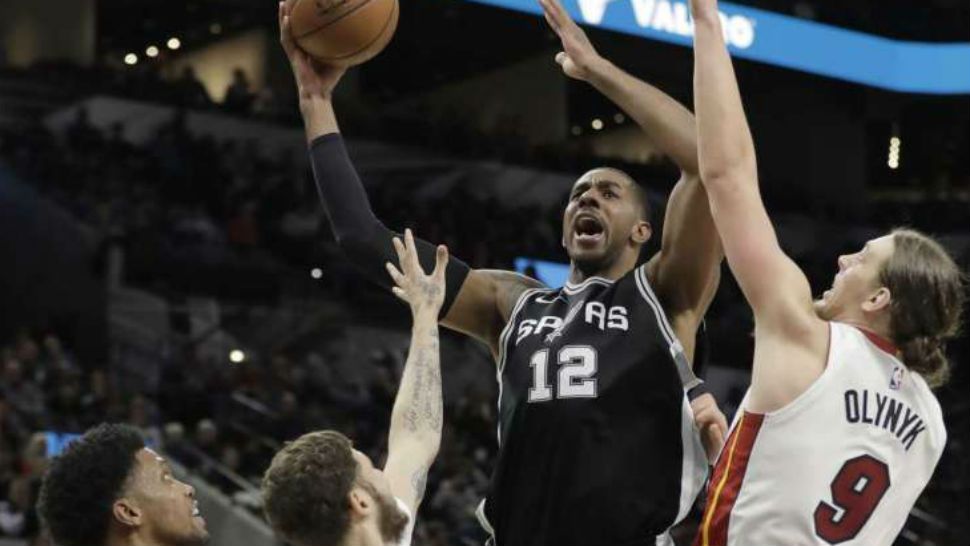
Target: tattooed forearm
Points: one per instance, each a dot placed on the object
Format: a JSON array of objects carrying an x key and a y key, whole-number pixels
[
  {"x": 419, "y": 403},
  {"x": 419, "y": 482}
]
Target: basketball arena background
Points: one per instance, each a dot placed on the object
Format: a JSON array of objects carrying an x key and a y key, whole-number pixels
[{"x": 164, "y": 259}]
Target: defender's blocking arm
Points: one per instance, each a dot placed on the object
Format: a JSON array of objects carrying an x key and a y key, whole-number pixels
[
  {"x": 774, "y": 286},
  {"x": 416, "y": 419}
]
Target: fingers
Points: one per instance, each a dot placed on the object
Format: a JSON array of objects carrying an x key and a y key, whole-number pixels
[
  {"x": 396, "y": 275},
  {"x": 553, "y": 24},
  {"x": 401, "y": 294},
  {"x": 557, "y": 12},
  {"x": 561, "y": 58},
  {"x": 713, "y": 442},
  {"x": 441, "y": 263},
  {"x": 412, "y": 251},
  {"x": 401, "y": 253}
]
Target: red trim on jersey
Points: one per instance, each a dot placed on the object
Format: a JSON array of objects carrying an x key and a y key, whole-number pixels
[
  {"x": 881, "y": 342},
  {"x": 727, "y": 479}
]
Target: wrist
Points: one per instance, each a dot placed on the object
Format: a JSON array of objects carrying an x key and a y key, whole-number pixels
[
  {"x": 707, "y": 18},
  {"x": 313, "y": 104},
  {"x": 318, "y": 117},
  {"x": 425, "y": 316},
  {"x": 600, "y": 72}
]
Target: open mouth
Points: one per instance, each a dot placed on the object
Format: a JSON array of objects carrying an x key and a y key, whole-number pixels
[
  {"x": 588, "y": 229},
  {"x": 195, "y": 510}
]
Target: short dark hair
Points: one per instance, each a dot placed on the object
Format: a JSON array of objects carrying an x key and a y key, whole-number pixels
[
  {"x": 82, "y": 484},
  {"x": 306, "y": 486},
  {"x": 928, "y": 296},
  {"x": 640, "y": 194}
]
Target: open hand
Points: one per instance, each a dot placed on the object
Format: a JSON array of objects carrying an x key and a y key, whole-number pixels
[
  {"x": 424, "y": 293},
  {"x": 313, "y": 78},
  {"x": 578, "y": 57}
]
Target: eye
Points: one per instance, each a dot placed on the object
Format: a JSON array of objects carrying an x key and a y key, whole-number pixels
[{"x": 608, "y": 194}]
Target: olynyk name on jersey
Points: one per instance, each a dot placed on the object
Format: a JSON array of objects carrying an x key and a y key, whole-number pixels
[{"x": 672, "y": 18}]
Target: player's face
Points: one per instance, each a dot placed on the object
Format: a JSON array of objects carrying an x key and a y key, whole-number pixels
[
  {"x": 857, "y": 280},
  {"x": 170, "y": 512},
  {"x": 602, "y": 218},
  {"x": 391, "y": 521}
]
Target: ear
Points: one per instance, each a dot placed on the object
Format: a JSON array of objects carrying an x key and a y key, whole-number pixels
[
  {"x": 126, "y": 513},
  {"x": 360, "y": 502},
  {"x": 641, "y": 233},
  {"x": 878, "y": 300}
]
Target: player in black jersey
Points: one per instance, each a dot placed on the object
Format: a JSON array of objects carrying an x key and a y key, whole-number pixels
[{"x": 598, "y": 444}]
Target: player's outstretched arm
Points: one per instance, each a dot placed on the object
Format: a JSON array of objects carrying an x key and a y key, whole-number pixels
[
  {"x": 667, "y": 122},
  {"x": 476, "y": 302},
  {"x": 416, "y": 420},
  {"x": 685, "y": 272},
  {"x": 775, "y": 287}
]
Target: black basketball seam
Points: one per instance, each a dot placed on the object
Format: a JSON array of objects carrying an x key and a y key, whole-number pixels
[
  {"x": 370, "y": 43},
  {"x": 327, "y": 24},
  {"x": 387, "y": 23}
]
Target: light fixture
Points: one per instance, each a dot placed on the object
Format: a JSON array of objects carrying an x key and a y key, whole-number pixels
[
  {"x": 174, "y": 43},
  {"x": 131, "y": 59},
  {"x": 895, "y": 147},
  {"x": 316, "y": 273},
  {"x": 597, "y": 124},
  {"x": 151, "y": 51},
  {"x": 236, "y": 356}
]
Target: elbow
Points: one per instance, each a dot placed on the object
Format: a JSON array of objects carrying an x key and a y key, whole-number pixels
[
  {"x": 723, "y": 165},
  {"x": 361, "y": 239},
  {"x": 728, "y": 176}
]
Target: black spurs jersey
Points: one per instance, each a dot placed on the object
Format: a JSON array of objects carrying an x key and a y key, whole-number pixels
[{"x": 597, "y": 444}]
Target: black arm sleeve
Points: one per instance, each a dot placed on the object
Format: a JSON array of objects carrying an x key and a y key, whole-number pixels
[{"x": 364, "y": 239}]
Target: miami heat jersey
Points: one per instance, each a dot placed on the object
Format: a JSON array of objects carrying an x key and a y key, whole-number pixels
[
  {"x": 597, "y": 444},
  {"x": 842, "y": 464}
]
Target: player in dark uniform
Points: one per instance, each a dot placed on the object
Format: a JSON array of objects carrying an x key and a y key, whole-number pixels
[{"x": 598, "y": 442}]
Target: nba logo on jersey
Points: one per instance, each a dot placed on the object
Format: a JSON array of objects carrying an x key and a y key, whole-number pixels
[{"x": 896, "y": 379}]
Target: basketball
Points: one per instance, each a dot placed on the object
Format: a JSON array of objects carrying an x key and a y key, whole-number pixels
[{"x": 343, "y": 32}]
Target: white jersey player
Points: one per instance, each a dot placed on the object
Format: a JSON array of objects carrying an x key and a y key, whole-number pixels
[{"x": 839, "y": 432}]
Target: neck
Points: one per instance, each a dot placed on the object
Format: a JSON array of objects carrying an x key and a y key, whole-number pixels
[
  {"x": 880, "y": 330},
  {"x": 363, "y": 535},
  {"x": 611, "y": 272},
  {"x": 130, "y": 539}
]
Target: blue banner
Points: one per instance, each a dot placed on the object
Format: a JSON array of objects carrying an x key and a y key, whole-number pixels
[
  {"x": 553, "y": 274},
  {"x": 781, "y": 40}
]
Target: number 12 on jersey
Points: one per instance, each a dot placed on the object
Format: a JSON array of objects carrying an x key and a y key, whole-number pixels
[{"x": 575, "y": 379}]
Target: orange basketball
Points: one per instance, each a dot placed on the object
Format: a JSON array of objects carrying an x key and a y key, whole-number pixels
[{"x": 343, "y": 32}]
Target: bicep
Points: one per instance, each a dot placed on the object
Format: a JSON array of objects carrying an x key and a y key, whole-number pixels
[
  {"x": 485, "y": 302},
  {"x": 406, "y": 479},
  {"x": 772, "y": 283},
  {"x": 686, "y": 271}
]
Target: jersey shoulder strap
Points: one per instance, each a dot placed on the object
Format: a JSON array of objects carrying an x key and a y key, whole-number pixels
[{"x": 687, "y": 377}]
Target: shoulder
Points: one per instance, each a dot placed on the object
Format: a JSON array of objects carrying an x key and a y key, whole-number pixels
[{"x": 509, "y": 288}]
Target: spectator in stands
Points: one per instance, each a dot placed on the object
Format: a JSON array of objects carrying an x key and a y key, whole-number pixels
[
  {"x": 189, "y": 91},
  {"x": 21, "y": 392},
  {"x": 239, "y": 96}
]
